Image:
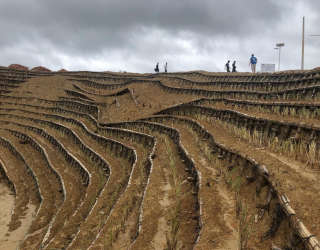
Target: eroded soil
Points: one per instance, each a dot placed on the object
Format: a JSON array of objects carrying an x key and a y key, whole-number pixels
[{"x": 180, "y": 193}]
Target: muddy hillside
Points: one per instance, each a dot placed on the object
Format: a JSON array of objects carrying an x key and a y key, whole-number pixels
[{"x": 189, "y": 160}]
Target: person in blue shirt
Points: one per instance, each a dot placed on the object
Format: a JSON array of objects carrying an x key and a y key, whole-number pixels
[{"x": 253, "y": 63}]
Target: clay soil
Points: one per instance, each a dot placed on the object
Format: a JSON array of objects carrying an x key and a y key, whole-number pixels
[{"x": 150, "y": 201}]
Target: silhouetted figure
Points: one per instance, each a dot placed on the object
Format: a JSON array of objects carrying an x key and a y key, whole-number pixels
[
  {"x": 156, "y": 69},
  {"x": 166, "y": 67},
  {"x": 234, "y": 68},
  {"x": 227, "y": 66}
]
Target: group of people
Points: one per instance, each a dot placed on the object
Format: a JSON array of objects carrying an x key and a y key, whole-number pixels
[
  {"x": 156, "y": 69},
  {"x": 227, "y": 66},
  {"x": 252, "y": 62}
]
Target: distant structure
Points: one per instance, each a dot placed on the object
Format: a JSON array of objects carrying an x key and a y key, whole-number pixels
[
  {"x": 62, "y": 70},
  {"x": 18, "y": 67},
  {"x": 40, "y": 69},
  {"x": 268, "y": 67},
  {"x": 166, "y": 67}
]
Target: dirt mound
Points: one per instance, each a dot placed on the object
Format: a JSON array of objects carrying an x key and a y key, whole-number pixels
[
  {"x": 18, "y": 67},
  {"x": 316, "y": 69},
  {"x": 62, "y": 70},
  {"x": 40, "y": 69}
]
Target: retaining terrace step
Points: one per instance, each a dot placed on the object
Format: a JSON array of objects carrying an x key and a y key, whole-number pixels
[
  {"x": 235, "y": 157},
  {"x": 298, "y": 133},
  {"x": 5, "y": 178},
  {"x": 119, "y": 93},
  {"x": 73, "y": 105},
  {"x": 105, "y": 76},
  {"x": 73, "y": 200},
  {"x": 219, "y": 77},
  {"x": 28, "y": 170},
  {"x": 98, "y": 179},
  {"x": 89, "y": 119},
  {"x": 41, "y": 122},
  {"x": 187, "y": 161},
  {"x": 132, "y": 199},
  {"x": 48, "y": 187},
  {"x": 118, "y": 185},
  {"x": 6, "y": 86},
  {"x": 73, "y": 93},
  {"x": 78, "y": 99},
  {"x": 281, "y": 105},
  {"x": 117, "y": 134},
  {"x": 23, "y": 179},
  {"x": 299, "y": 93},
  {"x": 239, "y": 85},
  {"x": 13, "y": 81},
  {"x": 294, "y": 94},
  {"x": 56, "y": 181},
  {"x": 118, "y": 148}
]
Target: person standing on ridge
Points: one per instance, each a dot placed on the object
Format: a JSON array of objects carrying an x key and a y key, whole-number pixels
[
  {"x": 227, "y": 66},
  {"x": 166, "y": 67},
  {"x": 253, "y": 63},
  {"x": 234, "y": 68},
  {"x": 156, "y": 69}
]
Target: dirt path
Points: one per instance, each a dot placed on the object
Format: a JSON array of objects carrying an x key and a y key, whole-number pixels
[
  {"x": 159, "y": 240},
  {"x": 11, "y": 240},
  {"x": 155, "y": 224}
]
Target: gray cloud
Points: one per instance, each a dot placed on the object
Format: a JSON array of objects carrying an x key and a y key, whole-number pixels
[{"x": 133, "y": 35}]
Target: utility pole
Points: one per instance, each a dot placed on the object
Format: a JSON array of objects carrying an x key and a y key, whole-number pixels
[
  {"x": 279, "y": 45},
  {"x": 302, "y": 52}
]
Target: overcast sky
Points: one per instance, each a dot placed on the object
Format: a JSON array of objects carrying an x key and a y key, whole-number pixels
[{"x": 133, "y": 35}]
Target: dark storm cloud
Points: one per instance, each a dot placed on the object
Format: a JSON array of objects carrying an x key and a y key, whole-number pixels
[
  {"x": 133, "y": 34},
  {"x": 92, "y": 25}
]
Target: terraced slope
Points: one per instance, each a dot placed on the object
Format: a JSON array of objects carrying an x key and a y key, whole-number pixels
[{"x": 186, "y": 160}]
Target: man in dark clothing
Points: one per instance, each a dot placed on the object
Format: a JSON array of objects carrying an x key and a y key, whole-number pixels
[
  {"x": 234, "y": 68},
  {"x": 228, "y": 66},
  {"x": 157, "y": 68}
]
